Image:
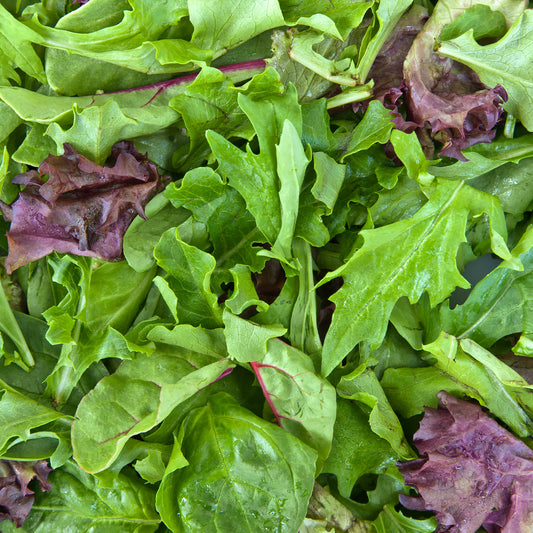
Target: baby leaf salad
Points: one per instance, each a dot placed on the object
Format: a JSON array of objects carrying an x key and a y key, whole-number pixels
[{"x": 244, "y": 249}]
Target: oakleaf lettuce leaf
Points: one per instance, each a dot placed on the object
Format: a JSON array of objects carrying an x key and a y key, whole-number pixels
[
  {"x": 459, "y": 109},
  {"x": 82, "y": 208},
  {"x": 16, "y": 498},
  {"x": 503, "y": 62},
  {"x": 472, "y": 472}
]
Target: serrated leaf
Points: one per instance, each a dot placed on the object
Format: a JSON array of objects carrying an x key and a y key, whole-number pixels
[
  {"x": 94, "y": 130},
  {"x": 405, "y": 258},
  {"x": 499, "y": 305}
]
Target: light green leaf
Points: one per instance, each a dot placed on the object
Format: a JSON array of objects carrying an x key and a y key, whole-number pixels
[
  {"x": 254, "y": 178},
  {"x": 247, "y": 475},
  {"x": 200, "y": 340},
  {"x": 410, "y": 390},
  {"x": 19, "y": 414},
  {"x": 355, "y": 450},
  {"x": 142, "y": 235},
  {"x": 375, "y": 127},
  {"x": 329, "y": 179},
  {"x": 189, "y": 272},
  {"x": 9, "y": 326},
  {"x": 232, "y": 229},
  {"x": 16, "y": 43},
  {"x": 387, "y": 15},
  {"x": 363, "y": 386},
  {"x": 228, "y": 23},
  {"x": 490, "y": 381},
  {"x": 137, "y": 397},
  {"x": 247, "y": 341},
  {"x": 302, "y": 402},
  {"x": 329, "y": 514},
  {"x": 404, "y": 258},
  {"x": 115, "y": 295},
  {"x": 499, "y": 305},
  {"x": 244, "y": 293},
  {"x": 408, "y": 149},
  {"x": 94, "y": 131},
  {"x": 292, "y": 162},
  {"x": 152, "y": 467},
  {"x": 392, "y": 521}
]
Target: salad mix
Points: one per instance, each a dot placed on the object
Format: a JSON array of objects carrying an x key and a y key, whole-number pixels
[{"x": 236, "y": 240}]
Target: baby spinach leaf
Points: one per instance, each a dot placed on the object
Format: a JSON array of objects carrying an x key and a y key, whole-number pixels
[{"x": 246, "y": 474}]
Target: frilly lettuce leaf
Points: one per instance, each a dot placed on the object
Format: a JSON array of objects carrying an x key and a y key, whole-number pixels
[{"x": 472, "y": 471}]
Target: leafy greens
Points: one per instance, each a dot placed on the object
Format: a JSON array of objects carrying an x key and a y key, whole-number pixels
[{"x": 233, "y": 272}]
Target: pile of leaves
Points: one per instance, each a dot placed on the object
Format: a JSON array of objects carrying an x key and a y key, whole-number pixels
[{"x": 237, "y": 242}]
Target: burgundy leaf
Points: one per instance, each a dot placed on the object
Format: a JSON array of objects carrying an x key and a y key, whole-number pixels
[
  {"x": 387, "y": 69},
  {"x": 83, "y": 208},
  {"x": 16, "y": 499},
  {"x": 472, "y": 472},
  {"x": 448, "y": 96}
]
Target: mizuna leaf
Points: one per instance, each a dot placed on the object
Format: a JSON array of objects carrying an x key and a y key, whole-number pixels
[{"x": 405, "y": 258}]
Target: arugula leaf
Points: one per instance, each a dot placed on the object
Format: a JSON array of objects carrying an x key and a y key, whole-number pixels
[{"x": 189, "y": 272}]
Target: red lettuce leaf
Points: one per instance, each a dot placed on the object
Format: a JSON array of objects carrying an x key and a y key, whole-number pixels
[
  {"x": 472, "y": 472},
  {"x": 448, "y": 96},
  {"x": 16, "y": 499},
  {"x": 83, "y": 208},
  {"x": 387, "y": 69}
]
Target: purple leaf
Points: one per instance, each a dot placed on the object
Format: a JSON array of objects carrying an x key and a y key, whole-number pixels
[
  {"x": 472, "y": 472},
  {"x": 387, "y": 69},
  {"x": 448, "y": 96},
  {"x": 16, "y": 499},
  {"x": 83, "y": 208}
]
